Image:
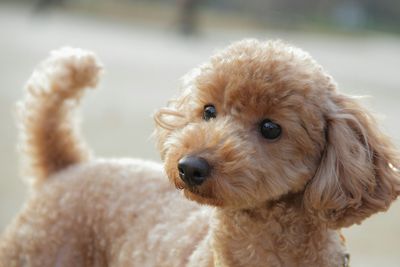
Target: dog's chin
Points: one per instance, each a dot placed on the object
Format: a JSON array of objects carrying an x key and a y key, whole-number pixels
[
  {"x": 189, "y": 194},
  {"x": 196, "y": 194}
]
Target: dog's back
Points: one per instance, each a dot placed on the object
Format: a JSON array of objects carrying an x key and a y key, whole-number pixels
[
  {"x": 85, "y": 212},
  {"x": 105, "y": 213}
]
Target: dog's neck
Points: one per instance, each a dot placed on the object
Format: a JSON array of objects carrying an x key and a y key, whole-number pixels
[{"x": 277, "y": 234}]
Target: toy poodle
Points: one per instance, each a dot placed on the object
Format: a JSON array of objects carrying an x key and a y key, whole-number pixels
[{"x": 272, "y": 160}]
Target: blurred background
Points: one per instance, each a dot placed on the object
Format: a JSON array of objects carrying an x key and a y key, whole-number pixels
[{"x": 146, "y": 46}]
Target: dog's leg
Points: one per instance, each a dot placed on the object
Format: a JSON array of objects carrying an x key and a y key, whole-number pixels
[{"x": 48, "y": 135}]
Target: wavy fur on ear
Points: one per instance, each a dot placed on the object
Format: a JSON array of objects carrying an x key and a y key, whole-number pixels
[
  {"x": 174, "y": 115},
  {"x": 356, "y": 177}
]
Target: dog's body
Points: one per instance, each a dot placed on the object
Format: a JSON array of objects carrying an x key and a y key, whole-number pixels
[
  {"x": 104, "y": 213},
  {"x": 275, "y": 198}
]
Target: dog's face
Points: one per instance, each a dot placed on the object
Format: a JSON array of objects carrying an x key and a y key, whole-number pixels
[{"x": 254, "y": 124}]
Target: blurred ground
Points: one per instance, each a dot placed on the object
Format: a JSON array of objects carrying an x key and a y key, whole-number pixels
[{"x": 143, "y": 66}]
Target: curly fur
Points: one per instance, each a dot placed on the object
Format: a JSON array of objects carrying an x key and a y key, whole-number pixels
[
  {"x": 279, "y": 203},
  {"x": 49, "y": 138}
]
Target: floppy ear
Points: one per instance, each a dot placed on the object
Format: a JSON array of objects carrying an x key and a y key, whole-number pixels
[{"x": 356, "y": 176}]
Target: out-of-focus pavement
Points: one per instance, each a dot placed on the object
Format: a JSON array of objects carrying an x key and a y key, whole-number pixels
[{"x": 143, "y": 66}]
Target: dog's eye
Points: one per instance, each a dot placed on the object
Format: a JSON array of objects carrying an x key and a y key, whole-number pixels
[
  {"x": 209, "y": 112},
  {"x": 270, "y": 130}
]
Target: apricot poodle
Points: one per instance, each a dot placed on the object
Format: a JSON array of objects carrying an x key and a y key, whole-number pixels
[{"x": 272, "y": 159}]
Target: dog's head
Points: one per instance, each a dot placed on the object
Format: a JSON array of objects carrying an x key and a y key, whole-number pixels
[{"x": 263, "y": 120}]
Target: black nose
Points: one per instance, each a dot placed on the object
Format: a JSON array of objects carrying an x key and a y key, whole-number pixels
[{"x": 193, "y": 170}]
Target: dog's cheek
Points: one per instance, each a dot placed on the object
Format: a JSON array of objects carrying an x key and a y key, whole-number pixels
[
  {"x": 288, "y": 164},
  {"x": 171, "y": 169},
  {"x": 282, "y": 176},
  {"x": 161, "y": 135},
  {"x": 171, "y": 158}
]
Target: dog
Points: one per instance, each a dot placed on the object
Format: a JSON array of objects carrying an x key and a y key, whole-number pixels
[{"x": 271, "y": 158}]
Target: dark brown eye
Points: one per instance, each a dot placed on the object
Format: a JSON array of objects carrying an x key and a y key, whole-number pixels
[
  {"x": 209, "y": 112},
  {"x": 270, "y": 130}
]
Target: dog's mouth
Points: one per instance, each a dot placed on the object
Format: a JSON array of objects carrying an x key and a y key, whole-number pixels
[
  {"x": 195, "y": 195},
  {"x": 202, "y": 195}
]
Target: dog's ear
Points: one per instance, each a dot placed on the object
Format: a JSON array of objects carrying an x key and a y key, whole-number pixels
[{"x": 357, "y": 175}]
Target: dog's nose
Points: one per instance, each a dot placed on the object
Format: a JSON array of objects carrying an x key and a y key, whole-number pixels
[{"x": 193, "y": 170}]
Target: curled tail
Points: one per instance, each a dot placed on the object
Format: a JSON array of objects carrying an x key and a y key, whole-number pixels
[{"x": 49, "y": 137}]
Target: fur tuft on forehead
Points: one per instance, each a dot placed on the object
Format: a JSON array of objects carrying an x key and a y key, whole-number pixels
[{"x": 257, "y": 75}]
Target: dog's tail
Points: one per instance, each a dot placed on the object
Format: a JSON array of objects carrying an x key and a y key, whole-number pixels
[{"x": 49, "y": 137}]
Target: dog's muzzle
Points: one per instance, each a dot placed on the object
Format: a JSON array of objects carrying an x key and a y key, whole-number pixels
[{"x": 193, "y": 170}]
